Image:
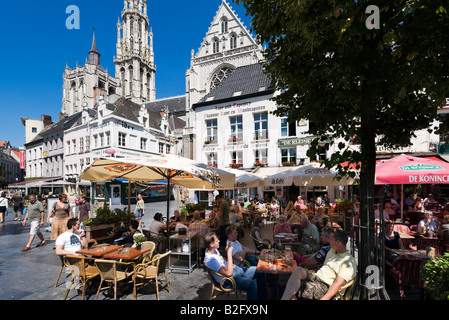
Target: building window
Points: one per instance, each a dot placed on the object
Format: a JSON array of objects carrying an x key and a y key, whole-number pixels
[
  {"x": 87, "y": 139},
  {"x": 236, "y": 159},
  {"x": 95, "y": 140},
  {"x": 236, "y": 129},
  {"x": 108, "y": 138},
  {"x": 215, "y": 45},
  {"x": 211, "y": 131},
  {"x": 288, "y": 156},
  {"x": 161, "y": 148},
  {"x": 288, "y": 129},
  {"x": 233, "y": 41},
  {"x": 101, "y": 139},
  {"x": 224, "y": 25},
  {"x": 261, "y": 156},
  {"x": 122, "y": 139},
  {"x": 33, "y": 129},
  {"x": 260, "y": 126},
  {"x": 219, "y": 76},
  {"x": 143, "y": 144},
  {"x": 167, "y": 148},
  {"x": 212, "y": 159},
  {"x": 81, "y": 144}
]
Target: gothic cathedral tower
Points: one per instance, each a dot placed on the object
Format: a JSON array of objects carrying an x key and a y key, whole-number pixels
[{"x": 134, "y": 63}]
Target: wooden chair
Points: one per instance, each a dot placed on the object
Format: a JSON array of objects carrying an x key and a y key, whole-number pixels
[
  {"x": 219, "y": 286},
  {"x": 259, "y": 244},
  {"x": 80, "y": 270},
  {"x": 63, "y": 265},
  {"x": 406, "y": 272},
  {"x": 346, "y": 290},
  {"x": 148, "y": 245},
  {"x": 151, "y": 270},
  {"x": 112, "y": 275}
]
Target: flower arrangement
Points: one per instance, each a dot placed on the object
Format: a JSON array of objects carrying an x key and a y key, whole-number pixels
[
  {"x": 209, "y": 141},
  {"x": 212, "y": 165},
  {"x": 260, "y": 163},
  {"x": 236, "y": 165},
  {"x": 288, "y": 163},
  {"x": 235, "y": 139}
]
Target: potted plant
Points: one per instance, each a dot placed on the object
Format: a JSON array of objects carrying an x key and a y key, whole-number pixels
[
  {"x": 98, "y": 228},
  {"x": 236, "y": 165},
  {"x": 288, "y": 163},
  {"x": 138, "y": 240},
  {"x": 260, "y": 163},
  {"x": 209, "y": 141},
  {"x": 212, "y": 165},
  {"x": 436, "y": 277}
]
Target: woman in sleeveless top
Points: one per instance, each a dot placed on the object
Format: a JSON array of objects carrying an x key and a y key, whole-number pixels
[{"x": 61, "y": 214}]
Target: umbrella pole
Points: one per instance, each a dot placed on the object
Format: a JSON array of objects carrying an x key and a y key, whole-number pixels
[
  {"x": 129, "y": 196},
  {"x": 168, "y": 203},
  {"x": 402, "y": 203}
]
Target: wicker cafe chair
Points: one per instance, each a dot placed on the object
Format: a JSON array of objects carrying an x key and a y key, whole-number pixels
[
  {"x": 80, "y": 270},
  {"x": 346, "y": 290},
  {"x": 151, "y": 270},
  {"x": 148, "y": 245},
  {"x": 261, "y": 244},
  {"x": 63, "y": 265},
  {"x": 112, "y": 275},
  {"x": 219, "y": 285}
]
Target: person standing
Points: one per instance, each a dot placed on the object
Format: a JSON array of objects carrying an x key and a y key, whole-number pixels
[
  {"x": 61, "y": 214},
  {"x": 18, "y": 206},
  {"x": 139, "y": 210},
  {"x": 223, "y": 215},
  {"x": 3, "y": 206},
  {"x": 36, "y": 214},
  {"x": 84, "y": 208},
  {"x": 73, "y": 201}
]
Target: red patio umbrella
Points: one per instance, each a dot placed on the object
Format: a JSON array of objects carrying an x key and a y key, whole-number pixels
[{"x": 405, "y": 169}]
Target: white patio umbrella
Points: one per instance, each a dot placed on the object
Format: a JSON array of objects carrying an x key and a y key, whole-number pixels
[
  {"x": 244, "y": 179},
  {"x": 171, "y": 168},
  {"x": 311, "y": 174}
]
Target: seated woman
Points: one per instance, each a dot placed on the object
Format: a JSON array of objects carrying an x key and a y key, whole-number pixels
[
  {"x": 290, "y": 209},
  {"x": 256, "y": 234},
  {"x": 282, "y": 226},
  {"x": 428, "y": 226},
  {"x": 318, "y": 217},
  {"x": 392, "y": 240}
]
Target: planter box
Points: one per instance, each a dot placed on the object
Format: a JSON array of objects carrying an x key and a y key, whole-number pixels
[{"x": 98, "y": 233}]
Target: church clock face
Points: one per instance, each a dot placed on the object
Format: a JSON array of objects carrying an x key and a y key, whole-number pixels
[{"x": 125, "y": 49}]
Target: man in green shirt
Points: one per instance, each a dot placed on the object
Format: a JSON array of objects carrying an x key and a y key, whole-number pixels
[{"x": 35, "y": 212}]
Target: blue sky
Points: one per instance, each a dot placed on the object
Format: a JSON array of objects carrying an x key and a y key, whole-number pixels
[{"x": 36, "y": 46}]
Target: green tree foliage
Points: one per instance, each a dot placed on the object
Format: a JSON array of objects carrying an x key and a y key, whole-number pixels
[{"x": 379, "y": 85}]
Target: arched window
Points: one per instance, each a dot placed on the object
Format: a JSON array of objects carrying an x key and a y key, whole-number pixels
[
  {"x": 224, "y": 25},
  {"x": 219, "y": 76},
  {"x": 216, "y": 45},
  {"x": 130, "y": 79},
  {"x": 233, "y": 41}
]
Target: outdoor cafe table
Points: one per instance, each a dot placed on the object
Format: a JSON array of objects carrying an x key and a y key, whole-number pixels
[
  {"x": 127, "y": 253},
  {"x": 99, "y": 250},
  {"x": 412, "y": 254},
  {"x": 278, "y": 265}
]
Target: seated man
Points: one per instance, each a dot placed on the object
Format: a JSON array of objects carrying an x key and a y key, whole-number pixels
[
  {"x": 244, "y": 277},
  {"x": 310, "y": 235},
  {"x": 72, "y": 240},
  {"x": 318, "y": 257},
  {"x": 339, "y": 268},
  {"x": 239, "y": 252}
]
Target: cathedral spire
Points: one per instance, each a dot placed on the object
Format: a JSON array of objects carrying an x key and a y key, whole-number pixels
[{"x": 94, "y": 55}]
